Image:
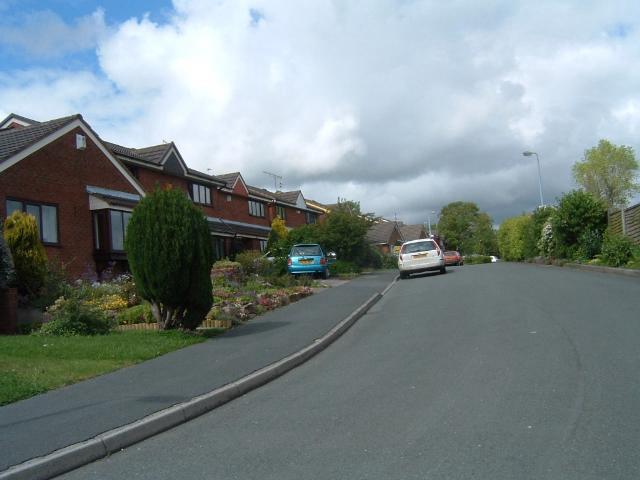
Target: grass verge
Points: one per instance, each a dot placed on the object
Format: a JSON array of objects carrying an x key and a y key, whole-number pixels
[{"x": 33, "y": 364}]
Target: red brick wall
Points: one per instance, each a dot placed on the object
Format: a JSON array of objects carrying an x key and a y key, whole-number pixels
[
  {"x": 295, "y": 217},
  {"x": 58, "y": 174},
  {"x": 149, "y": 179},
  {"x": 237, "y": 209}
]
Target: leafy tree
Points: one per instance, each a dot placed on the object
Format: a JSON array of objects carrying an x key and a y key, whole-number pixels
[
  {"x": 30, "y": 260},
  {"x": 484, "y": 236},
  {"x": 456, "y": 225},
  {"x": 608, "y": 172},
  {"x": 169, "y": 250},
  {"x": 344, "y": 231},
  {"x": 7, "y": 270},
  {"x": 579, "y": 216},
  {"x": 513, "y": 238},
  {"x": 466, "y": 229}
]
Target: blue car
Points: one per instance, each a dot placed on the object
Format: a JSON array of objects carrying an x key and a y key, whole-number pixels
[{"x": 308, "y": 258}]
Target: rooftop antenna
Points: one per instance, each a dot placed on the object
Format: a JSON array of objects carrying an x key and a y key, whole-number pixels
[{"x": 276, "y": 177}]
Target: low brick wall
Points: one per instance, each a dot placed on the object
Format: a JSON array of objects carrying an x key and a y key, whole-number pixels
[{"x": 8, "y": 311}]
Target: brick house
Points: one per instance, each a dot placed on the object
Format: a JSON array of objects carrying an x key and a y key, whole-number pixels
[
  {"x": 82, "y": 191},
  {"x": 63, "y": 174},
  {"x": 385, "y": 235}
]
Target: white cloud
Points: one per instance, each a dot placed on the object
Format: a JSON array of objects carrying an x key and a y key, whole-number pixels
[{"x": 404, "y": 106}]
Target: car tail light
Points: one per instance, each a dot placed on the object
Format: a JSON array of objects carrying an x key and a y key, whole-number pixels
[
  {"x": 289, "y": 261},
  {"x": 323, "y": 261},
  {"x": 400, "y": 257}
]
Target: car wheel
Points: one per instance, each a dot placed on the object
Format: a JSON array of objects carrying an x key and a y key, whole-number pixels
[
  {"x": 325, "y": 274},
  {"x": 443, "y": 270},
  {"x": 403, "y": 275}
]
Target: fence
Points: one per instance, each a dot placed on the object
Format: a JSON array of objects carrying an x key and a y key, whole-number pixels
[
  {"x": 226, "y": 324},
  {"x": 632, "y": 222}
]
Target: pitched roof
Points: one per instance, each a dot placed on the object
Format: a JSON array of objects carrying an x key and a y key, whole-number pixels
[
  {"x": 14, "y": 140},
  {"x": 261, "y": 192},
  {"x": 153, "y": 154},
  {"x": 20, "y": 118},
  {"x": 229, "y": 178},
  {"x": 412, "y": 232},
  {"x": 288, "y": 197},
  {"x": 381, "y": 232}
]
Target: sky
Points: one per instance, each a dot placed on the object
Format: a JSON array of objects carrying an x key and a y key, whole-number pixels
[{"x": 402, "y": 105}]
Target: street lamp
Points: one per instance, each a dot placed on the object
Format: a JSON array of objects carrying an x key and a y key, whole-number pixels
[
  {"x": 429, "y": 220},
  {"x": 528, "y": 154}
]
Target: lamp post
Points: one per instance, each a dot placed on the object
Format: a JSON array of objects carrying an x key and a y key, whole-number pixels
[
  {"x": 429, "y": 220},
  {"x": 528, "y": 154}
]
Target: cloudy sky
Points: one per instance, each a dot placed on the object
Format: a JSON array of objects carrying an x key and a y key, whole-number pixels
[{"x": 403, "y": 105}]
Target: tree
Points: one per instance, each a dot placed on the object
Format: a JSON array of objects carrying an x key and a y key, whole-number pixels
[
  {"x": 484, "y": 236},
  {"x": 579, "y": 218},
  {"x": 29, "y": 258},
  {"x": 169, "y": 251},
  {"x": 466, "y": 229},
  {"x": 513, "y": 238},
  {"x": 608, "y": 172},
  {"x": 344, "y": 231}
]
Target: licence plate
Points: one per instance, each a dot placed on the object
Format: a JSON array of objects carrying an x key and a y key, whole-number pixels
[
  {"x": 306, "y": 261},
  {"x": 420, "y": 255}
]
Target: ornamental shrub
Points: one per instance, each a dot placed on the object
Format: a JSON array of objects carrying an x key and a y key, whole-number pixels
[
  {"x": 546, "y": 243},
  {"x": 253, "y": 262},
  {"x": 578, "y": 212},
  {"x": 169, "y": 251},
  {"x": 617, "y": 250},
  {"x": 70, "y": 316},
  {"x": 30, "y": 260},
  {"x": 7, "y": 271},
  {"x": 136, "y": 314}
]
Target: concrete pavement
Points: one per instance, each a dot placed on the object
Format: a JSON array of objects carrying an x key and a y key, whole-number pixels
[{"x": 126, "y": 403}]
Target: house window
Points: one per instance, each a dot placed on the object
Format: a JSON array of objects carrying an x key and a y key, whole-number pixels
[
  {"x": 46, "y": 218},
  {"x": 119, "y": 221},
  {"x": 311, "y": 217},
  {"x": 263, "y": 245},
  {"x": 281, "y": 212},
  {"x": 218, "y": 248},
  {"x": 256, "y": 209},
  {"x": 200, "y": 194}
]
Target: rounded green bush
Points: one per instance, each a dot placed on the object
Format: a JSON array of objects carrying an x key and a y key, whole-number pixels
[
  {"x": 75, "y": 317},
  {"x": 617, "y": 250}
]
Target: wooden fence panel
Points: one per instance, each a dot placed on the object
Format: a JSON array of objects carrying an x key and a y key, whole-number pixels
[{"x": 632, "y": 221}]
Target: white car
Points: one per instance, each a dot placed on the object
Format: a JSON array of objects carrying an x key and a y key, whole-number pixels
[{"x": 418, "y": 256}]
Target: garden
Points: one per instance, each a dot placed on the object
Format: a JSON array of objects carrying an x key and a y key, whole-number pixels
[{"x": 173, "y": 298}]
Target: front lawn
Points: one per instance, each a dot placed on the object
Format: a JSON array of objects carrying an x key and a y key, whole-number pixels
[{"x": 33, "y": 364}]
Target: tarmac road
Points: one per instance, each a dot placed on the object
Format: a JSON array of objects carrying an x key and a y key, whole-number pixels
[{"x": 499, "y": 371}]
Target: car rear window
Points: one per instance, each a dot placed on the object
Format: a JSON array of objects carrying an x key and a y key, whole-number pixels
[
  {"x": 304, "y": 250},
  {"x": 425, "y": 246}
]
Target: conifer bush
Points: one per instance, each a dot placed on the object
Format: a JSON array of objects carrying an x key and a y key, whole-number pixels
[
  {"x": 169, "y": 251},
  {"x": 29, "y": 258}
]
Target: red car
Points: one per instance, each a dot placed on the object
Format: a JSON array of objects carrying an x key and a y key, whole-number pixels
[{"x": 453, "y": 258}]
